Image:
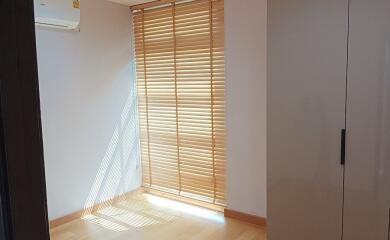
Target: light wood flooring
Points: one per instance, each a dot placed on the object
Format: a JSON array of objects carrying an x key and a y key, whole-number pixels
[{"x": 146, "y": 217}]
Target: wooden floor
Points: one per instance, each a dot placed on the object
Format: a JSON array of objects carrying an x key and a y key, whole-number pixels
[{"x": 146, "y": 217}]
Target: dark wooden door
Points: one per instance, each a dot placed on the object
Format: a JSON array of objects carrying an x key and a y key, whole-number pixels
[{"x": 22, "y": 167}]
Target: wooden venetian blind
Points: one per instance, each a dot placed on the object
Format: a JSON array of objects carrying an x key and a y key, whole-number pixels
[{"x": 181, "y": 85}]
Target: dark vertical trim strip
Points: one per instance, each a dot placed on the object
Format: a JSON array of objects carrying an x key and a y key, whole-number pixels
[{"x": 346, "y": 111}]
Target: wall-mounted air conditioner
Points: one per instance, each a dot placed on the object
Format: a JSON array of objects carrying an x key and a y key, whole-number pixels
[
  {"x": 55, "y": 23},
  {"x": 61, "y": 14}
]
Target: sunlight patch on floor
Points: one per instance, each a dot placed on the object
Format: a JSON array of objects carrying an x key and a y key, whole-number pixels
[
  {"x": 136, "y": 220},
  {"x": 105, "y": 223},
  {"x": 146, "y": 210},
  {"x": 185, "y": 208}
]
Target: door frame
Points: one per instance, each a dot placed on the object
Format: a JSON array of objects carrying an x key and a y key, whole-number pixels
[{"x": 21, "y": 144}]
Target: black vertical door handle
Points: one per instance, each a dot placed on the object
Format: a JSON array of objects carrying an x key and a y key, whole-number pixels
[{"x": 342, "y": 149}]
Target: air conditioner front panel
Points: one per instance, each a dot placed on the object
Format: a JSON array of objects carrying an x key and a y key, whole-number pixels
[{"x": 62, "y": 14}]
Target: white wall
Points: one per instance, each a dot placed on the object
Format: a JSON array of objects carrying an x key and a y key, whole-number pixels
[
  {"x": 88, "y": 109},
  {"x": 245, "y": 49}
]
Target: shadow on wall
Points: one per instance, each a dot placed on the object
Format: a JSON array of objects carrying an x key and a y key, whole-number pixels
[{"x": 116, "y": 175}]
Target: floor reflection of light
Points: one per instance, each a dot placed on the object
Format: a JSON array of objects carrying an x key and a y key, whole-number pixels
[
  {"x": 136, "y": 220},
  {"x": 105, "y": 223},
  {"x": 185, "y": 208}
]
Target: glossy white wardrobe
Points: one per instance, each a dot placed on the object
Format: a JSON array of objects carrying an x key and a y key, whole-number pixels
[{"x": 328, "y": 70}]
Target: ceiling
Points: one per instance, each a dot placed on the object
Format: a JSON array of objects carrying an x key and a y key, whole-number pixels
[{"x": 131, "y": 2}]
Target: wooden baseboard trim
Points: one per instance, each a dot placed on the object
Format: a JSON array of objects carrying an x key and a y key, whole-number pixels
[
  {"x": 68, "y": 218},
  {"x": 259, "y": 221},
  {"x": 79, "y": 214}
]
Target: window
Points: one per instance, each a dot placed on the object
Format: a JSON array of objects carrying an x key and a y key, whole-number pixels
[{"x": 181, "y": 85}]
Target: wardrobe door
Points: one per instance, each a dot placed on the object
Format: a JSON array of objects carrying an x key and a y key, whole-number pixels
[
  {"x": 367, "y": 185},
  {"x": 307, "y": 57}
]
